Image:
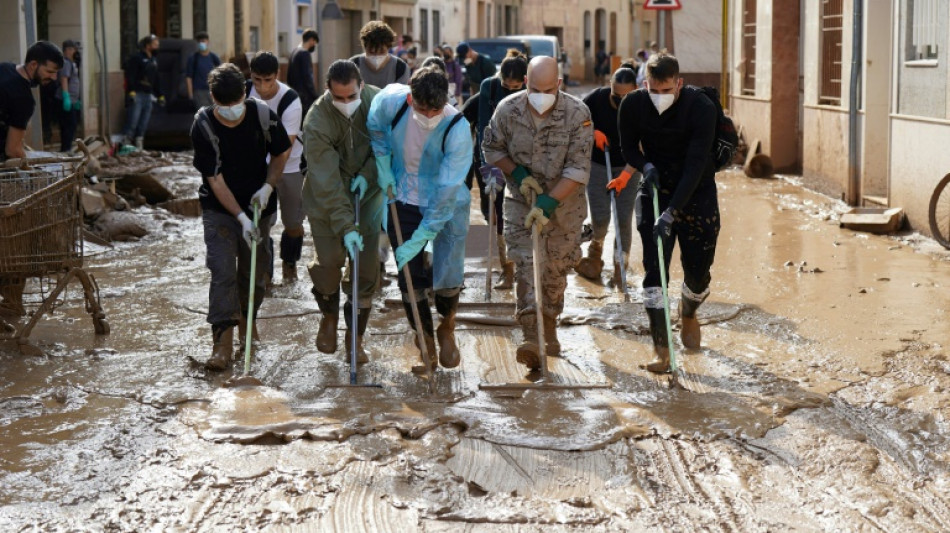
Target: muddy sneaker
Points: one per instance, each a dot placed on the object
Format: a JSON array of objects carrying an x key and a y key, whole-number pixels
[
  {"x": 591, "y": 266},
  {"x": 222, "y": 349}
]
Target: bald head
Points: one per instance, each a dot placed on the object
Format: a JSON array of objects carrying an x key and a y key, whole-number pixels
[{"x": 542, "y": 71}]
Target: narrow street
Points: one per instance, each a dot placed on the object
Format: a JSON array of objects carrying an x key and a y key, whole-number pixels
[{"x": 820, "y": 400}]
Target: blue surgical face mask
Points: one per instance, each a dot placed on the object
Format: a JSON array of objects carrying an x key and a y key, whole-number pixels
[
  {"x": 231, "y": 113},
  {"x": 203, "y": 47}
]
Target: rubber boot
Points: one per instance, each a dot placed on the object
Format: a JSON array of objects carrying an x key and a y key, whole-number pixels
[
  {"x": 528, "y": 353},
  {"x": 362, "y": 319},
  {"x": 425, "y": 314},
  {"x": 661, "y": 347},
  {"x": 242, "y": 330},
  {"x": 326, "y": 335},
  {"x": 449, "y": 356},
  {"x": 222, "y": 349},
  {"x": 616, "y": 280},
  {"x": 591, "y": 266},
  {"x": 139, "y": 141},
  {"x": 690, "y": 332},
  {"x": 291, "y": 248},
  {"x": 552, "y": 346},
  {"x": 507, "y": 279}
]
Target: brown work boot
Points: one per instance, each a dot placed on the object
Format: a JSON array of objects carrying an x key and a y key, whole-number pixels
[
  {"x": 222, "y": 349},
  {"x": 661, "y": 362},
  {"x": 553, "y": 347},
  {"x": 242, "y": 330},
  {"x": 289, "y": 271},
  {"x": 592, "y": 265},
  {"x": 507, "y": 278},
  {"x": 528, "y": 352},
  {"x": 689, "y": 324},
  {"x": 449, "y": 356},
  {"x": 433, "y": 360},
  {"x": 361, "y": 321},
  {"x": 330, "y": 307},
  {"x": 428, "y": 341}
]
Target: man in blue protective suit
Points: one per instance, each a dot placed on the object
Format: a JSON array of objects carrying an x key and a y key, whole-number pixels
[{"x": 422, "y": 158}]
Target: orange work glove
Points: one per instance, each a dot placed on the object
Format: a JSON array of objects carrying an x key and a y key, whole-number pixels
[
  {"x": 600, "y": 140},
  {"x": 620, "y": 181}
]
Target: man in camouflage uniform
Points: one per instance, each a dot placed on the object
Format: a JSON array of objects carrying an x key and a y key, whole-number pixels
[{"x": 541, "y": 139}]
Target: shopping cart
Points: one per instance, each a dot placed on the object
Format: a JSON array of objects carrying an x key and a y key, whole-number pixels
[{"x": 41, "y": 239}]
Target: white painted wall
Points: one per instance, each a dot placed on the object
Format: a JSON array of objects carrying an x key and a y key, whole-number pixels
[
  {"x": 12, "y": 35},
  {"x": 697, "y": 35}
]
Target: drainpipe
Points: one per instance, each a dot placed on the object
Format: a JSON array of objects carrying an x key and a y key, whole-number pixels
[
  {"x": 854, "y": 169},
  {"x": 724, "y": 66}
]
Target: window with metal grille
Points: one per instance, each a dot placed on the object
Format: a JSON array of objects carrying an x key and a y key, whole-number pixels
[
  {"x": 922, "y": 18},
  {"x": 436, "y": 28},
  {"x": 748, "y": 46},
  {"x": 423, "y": 30},
  {"x": 832, "y": 18}
]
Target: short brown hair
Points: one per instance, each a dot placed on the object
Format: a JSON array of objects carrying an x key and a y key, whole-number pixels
[
  {"x": 661, "y": 67},
  {"x": 430, "y": 87},
  {"x": 377, "y": 34}
]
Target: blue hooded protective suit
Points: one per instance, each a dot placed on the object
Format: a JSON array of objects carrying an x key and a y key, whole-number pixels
[{"x": 441, "y": 179}]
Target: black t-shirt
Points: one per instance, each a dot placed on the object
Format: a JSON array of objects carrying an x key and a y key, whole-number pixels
[
  {"x": 604, "y": 115},
  {"x": 244, "y": 153},
  {"x": 678, "y": 142},
  {"x": 16, "y": 102}
]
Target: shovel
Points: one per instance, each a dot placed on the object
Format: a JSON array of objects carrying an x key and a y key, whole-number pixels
[
  {"x": 246, "y": 379},
  {"x": 354, "y": 302},
  {"x": 666, "y": 299},
  {"x": 618, "y": 244},
  {"x": 426, "y": 356}
]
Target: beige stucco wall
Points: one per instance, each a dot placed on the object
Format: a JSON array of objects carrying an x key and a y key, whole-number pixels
[
  {"x": 697, "y": 34},
  {"x": 919, "y": 159},
  {"x": 825, "y": 161}
]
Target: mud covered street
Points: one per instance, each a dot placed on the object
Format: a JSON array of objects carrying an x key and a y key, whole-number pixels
[{"x": 819, "y": 401}]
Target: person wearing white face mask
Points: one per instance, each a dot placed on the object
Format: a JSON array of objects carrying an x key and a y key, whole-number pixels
[
  {"x": 377, "y": 66},
  {"x": 423, "y": 155},
  {"x": 233, "y": 140},
  {"x": 667, "y": 132},
  {"x": 341, "y": 169},
  {"x": 542, "y": 140}
]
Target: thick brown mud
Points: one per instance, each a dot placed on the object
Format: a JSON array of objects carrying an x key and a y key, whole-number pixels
[{"x": 818, "y": 401}]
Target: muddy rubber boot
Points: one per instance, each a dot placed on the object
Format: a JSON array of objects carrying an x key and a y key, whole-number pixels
[
  {"x": 449, "y": 356},
  {"x": 139, "y": 141},
  {"x": 690, "y": 332},
  {"x": 291, "y": 248},
  {"x": 528, "y": 352},
  {"x": 362, "y": 320},
  {"x": 661, "y": 347},
  {"x": 425, "y": 313},
  {"x": 222, "y": 348},
  {"x": 553, "y": 348},
  {"x": 507, "y": 278},
  {"x": 289, "y": 272},
  {"x": 592, "y": 265},
  {"x": 616, "y": 280},
  {"x": 326, "y": 335}
]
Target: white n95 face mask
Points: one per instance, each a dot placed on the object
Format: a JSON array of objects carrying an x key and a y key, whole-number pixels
[
  {"x": 662, "y": 102},
  {"x": 377, "y": 61},
  {"x": 424, "y": 122},
  {"x": 347, "y": 108},
  {"x": 541, "y": 102}
]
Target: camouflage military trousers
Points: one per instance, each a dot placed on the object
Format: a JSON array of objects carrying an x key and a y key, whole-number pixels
[{"x": 560, "y": 251}]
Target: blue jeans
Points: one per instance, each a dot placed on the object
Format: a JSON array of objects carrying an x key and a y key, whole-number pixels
[{"x": 138, "y": 115}]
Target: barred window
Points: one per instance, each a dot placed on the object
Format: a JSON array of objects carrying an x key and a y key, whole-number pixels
[
  {"x": 832, "y": 18},
  {"x": 748, "y": 46}
]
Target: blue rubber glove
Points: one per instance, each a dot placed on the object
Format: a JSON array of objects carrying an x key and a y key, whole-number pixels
[
  {"x": 77, "y": 105},
  {"x": 353, "y": 242},
  {"x": 386, "y": 179},
  {"x": 67, "y": 102},
  {"x": 413, "y": 246},
  {"x": 359, "y": 182}
]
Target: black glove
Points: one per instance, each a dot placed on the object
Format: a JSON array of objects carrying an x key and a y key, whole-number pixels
[
  {"x": 651, "y": 178},
  {"x": 663, "y": 229}
]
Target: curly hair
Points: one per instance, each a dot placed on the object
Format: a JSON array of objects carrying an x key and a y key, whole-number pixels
[
  {"x": 377, "y": 34},
  {"x": 430, "y": 87}
]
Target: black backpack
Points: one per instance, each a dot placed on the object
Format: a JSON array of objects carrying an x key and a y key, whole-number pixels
[
  {"x": 727, "y": 139},
  {"x": 203, "y": 121},
  {"x": 445, "y": 135},
  {"x": 285, "y": 101}
]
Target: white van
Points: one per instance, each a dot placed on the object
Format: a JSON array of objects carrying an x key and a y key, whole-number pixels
[{"x": 543, "y": 45}]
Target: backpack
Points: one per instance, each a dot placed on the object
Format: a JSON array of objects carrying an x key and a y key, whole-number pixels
[
  {"x": 445, "y": 135},
  {"x": 400, "y": 65},
  {"x": 203, "y": 121},
  {"x": 726, "y": 140},
  {"x": 285, "y": 101}
]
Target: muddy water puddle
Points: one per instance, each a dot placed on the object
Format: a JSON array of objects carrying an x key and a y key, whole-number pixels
[{"x": 819, "y": 401}]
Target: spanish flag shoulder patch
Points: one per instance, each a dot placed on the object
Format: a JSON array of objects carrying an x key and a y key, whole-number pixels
[{"x": 586, "y": 123}]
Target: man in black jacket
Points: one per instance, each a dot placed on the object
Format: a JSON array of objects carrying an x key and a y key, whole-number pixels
[
  {"x": 300, "y": 70},
  {"x": 675, "y": 126},
  {"x": 141, "y": 80}
]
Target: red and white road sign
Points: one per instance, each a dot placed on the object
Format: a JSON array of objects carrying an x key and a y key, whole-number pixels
[{"x": 663, "y": 5}]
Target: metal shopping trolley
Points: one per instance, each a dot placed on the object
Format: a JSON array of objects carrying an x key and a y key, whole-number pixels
[{"x": 41, "y": 225}]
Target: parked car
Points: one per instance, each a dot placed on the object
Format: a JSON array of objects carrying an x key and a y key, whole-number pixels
[
  {"x": 495, "y": 49},
  {"x": 542, "y": 45}
]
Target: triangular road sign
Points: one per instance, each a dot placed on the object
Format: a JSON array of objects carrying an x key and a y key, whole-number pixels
[{"x": 663, "y": 4}]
